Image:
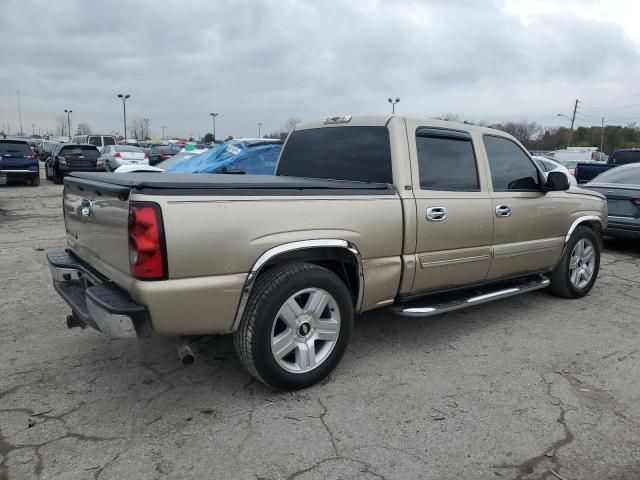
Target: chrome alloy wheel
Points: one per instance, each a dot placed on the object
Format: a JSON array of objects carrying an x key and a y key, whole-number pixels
[
  {"x": 582, "y": 263},
  {"x": 305, "y": 330}
]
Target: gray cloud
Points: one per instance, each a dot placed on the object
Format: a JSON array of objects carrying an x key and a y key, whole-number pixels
[{"x": 265, "y": 61}]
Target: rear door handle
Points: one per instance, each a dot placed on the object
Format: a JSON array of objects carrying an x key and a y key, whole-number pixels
[
  {"x": 436, "y": 214},
  {"x": 503, "y": 211}
]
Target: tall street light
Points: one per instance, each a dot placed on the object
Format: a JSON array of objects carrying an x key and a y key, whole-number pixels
[
  {"x": 571, "y": 129},
  {"x": 213, "y": 119},
  {"x": 124, "y": 110},
  {"x": 163, "y": 127},
  {"x": 393, "y": 104},
  {"x": 146, "y": 128},
  {"x": 68, "y": 112},
  {"x": 259, "y": 128}
]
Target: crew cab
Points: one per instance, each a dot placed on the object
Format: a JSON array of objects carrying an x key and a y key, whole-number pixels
[
  {"x": 587, "y": 171},
  {"x": 414, "y": 215}
]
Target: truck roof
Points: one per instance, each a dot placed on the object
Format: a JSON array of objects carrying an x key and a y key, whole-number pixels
[{"x": 382, "y": 120}]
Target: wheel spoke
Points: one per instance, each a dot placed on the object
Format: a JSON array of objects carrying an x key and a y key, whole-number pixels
[
  {"x": 580, "y": 248},
  {"x": 283, "y": 344},
  {"x": 316, "y": 303},
  {"x": 573, "y": 263},
  {"x": 588, "y": 254},
  {"x": 574, "y": 276},
  {"x": 290, "y": 312},
  {"x": 306, "y": 355},
  {"x": 327, "y": 330}
]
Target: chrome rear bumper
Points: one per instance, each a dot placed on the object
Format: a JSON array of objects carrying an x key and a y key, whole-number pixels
[{"x": 94, "y": 300}]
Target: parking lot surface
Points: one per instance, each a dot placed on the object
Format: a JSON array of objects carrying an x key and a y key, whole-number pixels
[{"x": 530, "y": 387}]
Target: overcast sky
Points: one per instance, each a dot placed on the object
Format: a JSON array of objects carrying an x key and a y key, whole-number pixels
[{"x": 266, "y": 61}]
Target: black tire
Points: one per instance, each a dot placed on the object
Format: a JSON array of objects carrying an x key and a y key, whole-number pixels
[
  {"x": 46, "y": 172},
  {"x": 35, "y": 181},
  {"x": 272, "y": 289},
  {"x": 57, "y": 176},
  {"x": 561, "y": 284}
]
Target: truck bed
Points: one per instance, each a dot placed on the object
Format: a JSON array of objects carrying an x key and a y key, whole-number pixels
[{"x": 215, "y": 184}]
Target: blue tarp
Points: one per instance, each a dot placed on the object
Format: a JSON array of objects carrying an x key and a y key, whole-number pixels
[{"x": 234, "y": 155}]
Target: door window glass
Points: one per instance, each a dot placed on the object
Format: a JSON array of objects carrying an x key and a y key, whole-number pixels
[{"x": 511, "y": 168}]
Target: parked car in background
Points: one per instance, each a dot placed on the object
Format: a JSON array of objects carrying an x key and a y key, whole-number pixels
[
  {"x": 19, "y": 162},
  {"x": 115, "y": 156},
  {"x": 72, "y": 157},
  {"x": 621, "y": 186},
  {"x": 548, "y": 165},
  {"x": 581, "y": 154},
  {"x": 587, "y": 171},
  {"x": 159, "y": 153},
  {"x": 162, "y": 166},
  {"x": 97, "y": 140},
  {"x": 46, "y": 149}
]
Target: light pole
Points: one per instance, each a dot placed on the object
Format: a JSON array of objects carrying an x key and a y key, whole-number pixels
[
  {"x": 68, "y": 112},
  {"x": 33, "y": 129},
  {"x": 146, "y": 128},
  {"x": 124, "y": 110},
  {"x": 163, "y": 127},
  {"x": 393, "y": 104},
  {"x": 213, "y": 119},
  {"x": 259, "y": 128},
  {"x": 571, "y": 130}
]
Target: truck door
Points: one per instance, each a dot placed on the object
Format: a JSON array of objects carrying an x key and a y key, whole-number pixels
[
  {"x": 529, "y": 225},
  {"x": 454, "y": 216}
]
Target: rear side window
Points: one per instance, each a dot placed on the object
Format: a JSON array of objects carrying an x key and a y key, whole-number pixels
[
  {"x": 623, "y": 157},
  {"x": 11, "y": 148},
  {"x": 108, "y": 141},
  {"x": 446, "y": 160},
  {"x": 97, "y": 141},
  {"x": 361, "y": 154},
  {"x": 511, "y": 168}
]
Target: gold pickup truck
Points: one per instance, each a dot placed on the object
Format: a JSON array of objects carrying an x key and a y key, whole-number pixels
[{"x": 421, "y": 216}]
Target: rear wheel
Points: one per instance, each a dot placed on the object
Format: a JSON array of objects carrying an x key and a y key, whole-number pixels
[
  {"x": 576, "y": 273},
  {"x": 57, "y": 176},
  {"x": 296, "y": 326}
]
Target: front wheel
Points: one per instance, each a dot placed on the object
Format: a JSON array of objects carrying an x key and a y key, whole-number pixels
[
  {"x": 576, "y": 273},
  {"x": 57, "y": 176},
  {"x": 296, "y": 326}
]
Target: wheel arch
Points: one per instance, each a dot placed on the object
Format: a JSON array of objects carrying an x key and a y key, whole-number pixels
[
  {"x": 593, "y": 222},
  {"x": 340, "y": 256}
]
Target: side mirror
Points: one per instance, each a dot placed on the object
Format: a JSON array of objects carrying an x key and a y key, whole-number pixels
[{"x": 556, "y": 181}]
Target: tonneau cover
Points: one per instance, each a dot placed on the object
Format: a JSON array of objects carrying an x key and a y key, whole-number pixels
[{"x": 146, "y": 181}]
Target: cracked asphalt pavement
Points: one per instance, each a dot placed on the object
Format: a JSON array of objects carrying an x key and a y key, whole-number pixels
[{"x": 530, "y": 387}]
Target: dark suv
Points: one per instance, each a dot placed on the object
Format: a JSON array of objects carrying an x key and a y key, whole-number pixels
[
  {"x": 18, "y": 161},
  {"x": 70, "y": 157}
]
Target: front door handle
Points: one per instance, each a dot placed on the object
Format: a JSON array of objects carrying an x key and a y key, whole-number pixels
[
  {"x": 436, "y": 214},
  {"x": 503, "y": 211}
]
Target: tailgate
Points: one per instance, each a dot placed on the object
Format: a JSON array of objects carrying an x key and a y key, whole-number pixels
[{"x": 96, "y": 219}]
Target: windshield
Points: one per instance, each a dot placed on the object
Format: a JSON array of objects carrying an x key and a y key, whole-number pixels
[
  {"x": 128, "y": 149},
  {"x": 9, "y": 148},
  {"x": 570, "y": 164}
]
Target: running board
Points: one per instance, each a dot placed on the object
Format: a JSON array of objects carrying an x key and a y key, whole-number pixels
[{"x": 470, "y": 298}]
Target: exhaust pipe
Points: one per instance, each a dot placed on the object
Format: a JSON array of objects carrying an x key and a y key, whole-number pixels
[{"x": 185, "y": 353}]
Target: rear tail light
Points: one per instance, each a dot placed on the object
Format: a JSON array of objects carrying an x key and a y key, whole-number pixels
[
  {"x": 593, "y": 155},
  {"x": 99, "y": 161},
  {"x": 62, "y": 161},
  {"x": 117, "y": 155},
  {"x": 636, "y": 202},
  {"x": 164, "y": 156},
  {"x": 30, "y": 155},
  {"x": 147, "y": 254}
]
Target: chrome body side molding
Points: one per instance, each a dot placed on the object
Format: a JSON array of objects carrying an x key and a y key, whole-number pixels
[{"x": 290, "y": 247}]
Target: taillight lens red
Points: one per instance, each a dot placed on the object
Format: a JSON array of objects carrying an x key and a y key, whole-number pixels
[
  {"x": 146, "y": 249},
  {"x": 636, "y": 202},
  {"x": 117, "y": 155},
  {"x": 30, "y": 155},
  {"x": 164, "y": 156}
]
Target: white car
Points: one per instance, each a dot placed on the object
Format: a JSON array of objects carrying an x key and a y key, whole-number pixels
[
  {"x": 115, "y": 156},
  {"x": 549, "y": 165},
  {"x": 162, "y": 166}
]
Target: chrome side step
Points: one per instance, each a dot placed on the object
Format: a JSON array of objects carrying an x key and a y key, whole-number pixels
[{"x": 463, "y": 300}]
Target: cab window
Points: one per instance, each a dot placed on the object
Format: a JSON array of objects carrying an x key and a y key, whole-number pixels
[{"x": 511, "y": 168}]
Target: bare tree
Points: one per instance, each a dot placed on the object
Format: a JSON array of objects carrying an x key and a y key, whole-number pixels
[
  {"x": 524, "y": 131},
  {"x": 61, "y": 125},
  {"x": 84, "y": 129},
  {"x": 291, "y": 124},
  {"x": 137, "y": 128},
  {"x": 449, "y": 117}
]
